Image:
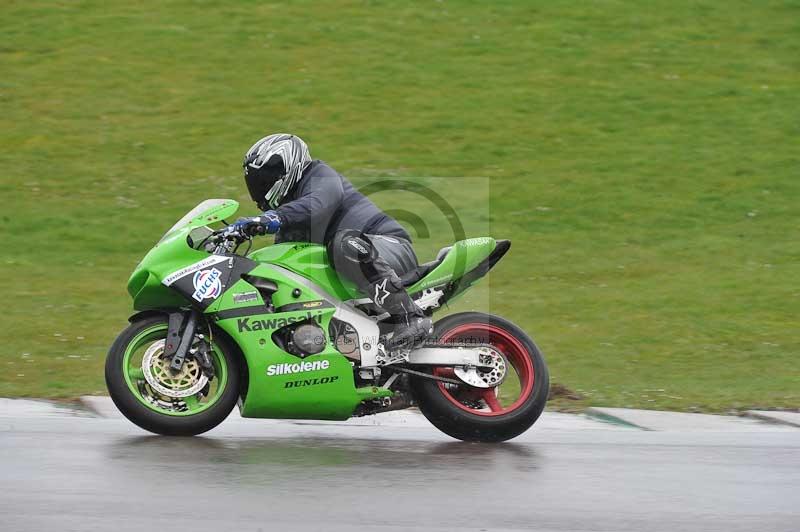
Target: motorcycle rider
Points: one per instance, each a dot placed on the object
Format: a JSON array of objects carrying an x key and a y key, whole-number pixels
[{"x": 306, "y": 200}]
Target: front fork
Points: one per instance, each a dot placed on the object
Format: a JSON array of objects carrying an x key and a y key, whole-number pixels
[{"x": 179, "y": 344}]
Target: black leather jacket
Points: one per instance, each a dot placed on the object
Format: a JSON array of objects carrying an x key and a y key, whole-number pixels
[{"x": 324, "y": 202}]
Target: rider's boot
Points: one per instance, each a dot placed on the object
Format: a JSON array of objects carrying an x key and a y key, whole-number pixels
[
  {"x": 356, "y": 258},
  {"x": 411, "y": 326}
]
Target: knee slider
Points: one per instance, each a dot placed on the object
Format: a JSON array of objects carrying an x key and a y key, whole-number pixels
[{"x": 358, "y": 249}]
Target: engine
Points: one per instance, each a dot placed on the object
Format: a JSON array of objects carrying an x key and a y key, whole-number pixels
[{"x": 301, "y": 339}]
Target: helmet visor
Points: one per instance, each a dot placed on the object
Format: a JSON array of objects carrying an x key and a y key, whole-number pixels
[{"x": 261, "y": 181}]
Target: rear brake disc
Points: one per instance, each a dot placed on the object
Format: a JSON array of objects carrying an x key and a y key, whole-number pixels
[{"x": 492, "y": 374}]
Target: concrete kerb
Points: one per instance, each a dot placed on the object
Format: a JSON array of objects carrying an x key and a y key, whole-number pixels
[
  {"x": 600, "y": 415},
  {"x": 778, "y": 417},
  {"x": 659, "y": 420}
]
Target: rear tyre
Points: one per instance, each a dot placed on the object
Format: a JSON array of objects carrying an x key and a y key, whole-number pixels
[
  {"x": 486, "y": 414},
  {"x": 198, "y": 404}
]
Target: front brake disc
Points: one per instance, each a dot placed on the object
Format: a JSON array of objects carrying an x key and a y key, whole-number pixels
[{"x": 189, "y": 381}]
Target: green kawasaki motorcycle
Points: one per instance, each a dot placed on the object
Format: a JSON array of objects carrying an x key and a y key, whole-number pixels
[{"x": 278, "y": 332}]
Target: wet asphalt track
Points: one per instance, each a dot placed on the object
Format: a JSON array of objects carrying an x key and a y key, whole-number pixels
[{"x": 72, "y": 472}]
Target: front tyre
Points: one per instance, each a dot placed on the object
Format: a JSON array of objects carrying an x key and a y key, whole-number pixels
[
  {"x": 486, "y": 414},
  {"x": 149, "y": 395}
]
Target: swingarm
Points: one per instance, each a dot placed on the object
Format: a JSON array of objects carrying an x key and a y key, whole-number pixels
[{"x": 479, "y": 365}]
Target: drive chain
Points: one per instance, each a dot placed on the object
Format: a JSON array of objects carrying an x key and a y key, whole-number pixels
[{"x": 409, "y": 371}]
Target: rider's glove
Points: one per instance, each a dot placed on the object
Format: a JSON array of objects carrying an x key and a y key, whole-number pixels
[
  {"x": 271, "y": 221},
  {"x": 267, "y": 223},
  {"x": 244, "y": 226}
]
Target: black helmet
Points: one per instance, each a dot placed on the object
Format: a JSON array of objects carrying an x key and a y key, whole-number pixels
[{"x": 272, "y": 166}]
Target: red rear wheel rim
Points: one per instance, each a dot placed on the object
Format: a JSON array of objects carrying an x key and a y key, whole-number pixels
[{"x": 518, "y": 358}]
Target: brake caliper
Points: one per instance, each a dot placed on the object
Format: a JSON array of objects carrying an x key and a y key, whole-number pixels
[{"x": 201, "y": 354}]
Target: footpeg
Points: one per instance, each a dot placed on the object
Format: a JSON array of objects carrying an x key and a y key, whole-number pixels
[{"x": 396, "y": 357}]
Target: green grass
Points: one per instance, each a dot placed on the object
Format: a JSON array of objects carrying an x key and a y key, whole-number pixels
[{"x": 644, "y": 157}]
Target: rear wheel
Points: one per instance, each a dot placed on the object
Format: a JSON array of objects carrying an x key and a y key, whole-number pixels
[
  {"x": 497, "y": 412},
  {"x": 149, "y": 394}
]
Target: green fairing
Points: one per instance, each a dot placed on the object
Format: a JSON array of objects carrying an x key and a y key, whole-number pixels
[
  {"x": 332, "y": 396},
  {"x": 325, "y": 390},
  {"x": 172, "y": 253},
  {"x": 166, "y": 257},
  {"x": 465, "y": 256},
  {"x": 269, "y": 395},
  {"x": 310, "y": 261}
]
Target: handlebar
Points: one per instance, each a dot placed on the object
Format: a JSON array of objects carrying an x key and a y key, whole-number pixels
[
  {"x": 228, "y": 239},
  {"x": 224, "y": 240}
]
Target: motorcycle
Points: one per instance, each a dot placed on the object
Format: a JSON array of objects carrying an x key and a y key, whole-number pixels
[{"x": 278, "y": 332}]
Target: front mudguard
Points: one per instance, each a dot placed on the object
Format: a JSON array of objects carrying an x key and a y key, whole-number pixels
[
  {"x": 144, "y": 314},
  {"x": 176, "y": 317}
]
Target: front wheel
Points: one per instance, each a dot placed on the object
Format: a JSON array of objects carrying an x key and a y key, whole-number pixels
[
  {"x": 486, "y": 414},
  {"x": 144, "y": 389}
]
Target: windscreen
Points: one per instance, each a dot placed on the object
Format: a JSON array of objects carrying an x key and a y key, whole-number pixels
[{"x": 194, "y": 213}]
